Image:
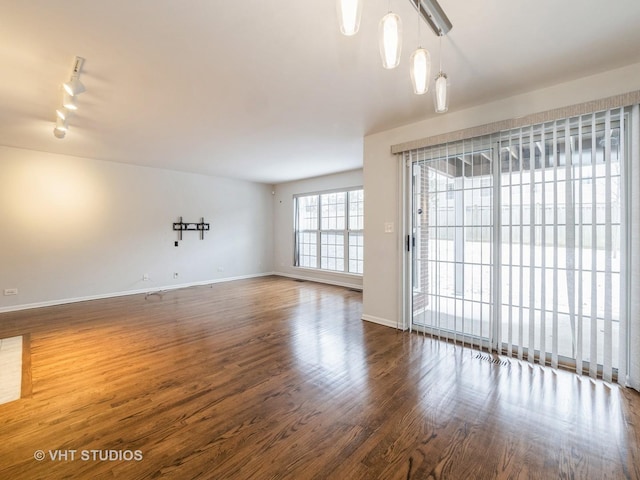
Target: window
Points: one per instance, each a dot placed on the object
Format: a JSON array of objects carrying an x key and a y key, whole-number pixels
[{"x": 329, "y": 231}]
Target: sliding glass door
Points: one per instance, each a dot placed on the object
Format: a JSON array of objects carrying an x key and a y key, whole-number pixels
[
  {"x": 452, "y": 237},
  {"x": 518, "y": 242}
]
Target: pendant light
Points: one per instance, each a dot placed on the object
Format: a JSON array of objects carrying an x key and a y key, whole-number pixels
[
  {"x": 349, "y": 13},
  {"x": 390, "y": 40},
  {"x": 420, "y": 70},
  {"x": 441, "y": 93},
  {"x": 441, "y": 90},
  {"x": 390, "y": 43},
  {"x": 420, "y": 66}
]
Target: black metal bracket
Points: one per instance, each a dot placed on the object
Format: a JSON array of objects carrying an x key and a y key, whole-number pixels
[{"x": 191, "y": 227}]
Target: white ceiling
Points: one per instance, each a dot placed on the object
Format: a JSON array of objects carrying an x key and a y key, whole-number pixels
[{"x": 270, "y": 91}]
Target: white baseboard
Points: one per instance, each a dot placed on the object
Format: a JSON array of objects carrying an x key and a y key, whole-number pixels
[
  {"x": 354, "y": 286},
  {"x": 50, "y": 303},
  {"x": 382, "y": 321}
]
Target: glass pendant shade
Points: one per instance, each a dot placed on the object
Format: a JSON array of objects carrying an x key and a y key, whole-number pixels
[
  {"x": 390, "y": 38},
  {"x": 441, "y": 92},
  {"x": 420, "y": 70},
  {"x": 349, "y": 13}
]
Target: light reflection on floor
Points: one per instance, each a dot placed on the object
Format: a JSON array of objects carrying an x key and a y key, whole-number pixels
[
  {"x": 320, "y": 346},
  {"x": 520, "y": 397}
]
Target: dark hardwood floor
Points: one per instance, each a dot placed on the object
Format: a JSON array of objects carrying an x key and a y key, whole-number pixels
[{"x": 272, "y": 378}]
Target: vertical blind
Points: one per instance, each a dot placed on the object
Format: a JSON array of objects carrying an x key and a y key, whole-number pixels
[
  {"x": 633, "y": 265},
  {"x": 523, "y": 241}
]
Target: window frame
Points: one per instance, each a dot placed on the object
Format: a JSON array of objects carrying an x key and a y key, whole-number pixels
[
  {"x": 564, "y": 179},
  {"x": 319, "y": 231}
]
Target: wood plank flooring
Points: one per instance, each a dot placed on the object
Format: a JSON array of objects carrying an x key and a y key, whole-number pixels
[{"x": 271, "y": 378}]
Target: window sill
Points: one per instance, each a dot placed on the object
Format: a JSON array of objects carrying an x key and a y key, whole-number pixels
[{"x": 328, "y": 272}]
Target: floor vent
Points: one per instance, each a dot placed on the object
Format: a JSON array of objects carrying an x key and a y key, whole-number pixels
[
  {"x": 494, "y": 360},
  {"x": 298, "y": 280}
]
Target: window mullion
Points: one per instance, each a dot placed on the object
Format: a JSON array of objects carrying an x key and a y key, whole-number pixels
[
  {"x": 319, "y": 234},
  {"x": 345, "y": 233},
  {"x": 496, "y": 330}
]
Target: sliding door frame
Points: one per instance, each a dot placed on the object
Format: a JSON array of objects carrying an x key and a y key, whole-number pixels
[{"x": 493, "y": 340}]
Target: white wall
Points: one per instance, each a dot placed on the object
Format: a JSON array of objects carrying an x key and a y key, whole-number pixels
[
  {"x": 73, "y": 228},
  {"x": 383, "y": 252},
  {"x": 283, "y": 226}
]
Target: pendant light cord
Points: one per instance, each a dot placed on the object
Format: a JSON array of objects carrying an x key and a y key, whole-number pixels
[{"x": 419, "y": 26}]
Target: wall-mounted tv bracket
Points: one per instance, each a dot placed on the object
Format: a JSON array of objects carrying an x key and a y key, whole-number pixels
[{"x": 191, "y": 227}]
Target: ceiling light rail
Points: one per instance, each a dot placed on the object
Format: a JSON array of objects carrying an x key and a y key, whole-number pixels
[
  {"x": 69, "y": 105},
  {"x": 433, "y": 14}
]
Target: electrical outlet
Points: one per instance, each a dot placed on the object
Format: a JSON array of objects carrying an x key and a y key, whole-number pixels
[
  {"x": 145, "y": 277},
  {"x": 175, "y": 275},
  {"x": 10, "y": 291},
  {"x": 221, "y": 269}
]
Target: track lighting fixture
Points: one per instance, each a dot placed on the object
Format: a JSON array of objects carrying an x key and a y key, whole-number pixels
[
  {"x": 70, "y": 91},
  {"x": 61, "y": 128},
  {"x": 74, "y": 86},
  {"x": 433, "y": 14}
]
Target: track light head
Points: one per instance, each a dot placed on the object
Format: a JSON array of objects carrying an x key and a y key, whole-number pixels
[
  {"x": 60, "y": 130},
  {"x": 69, "y": 102},
  {"x": 74, "y": 86},
  {"x": 63, "y": 113}
]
